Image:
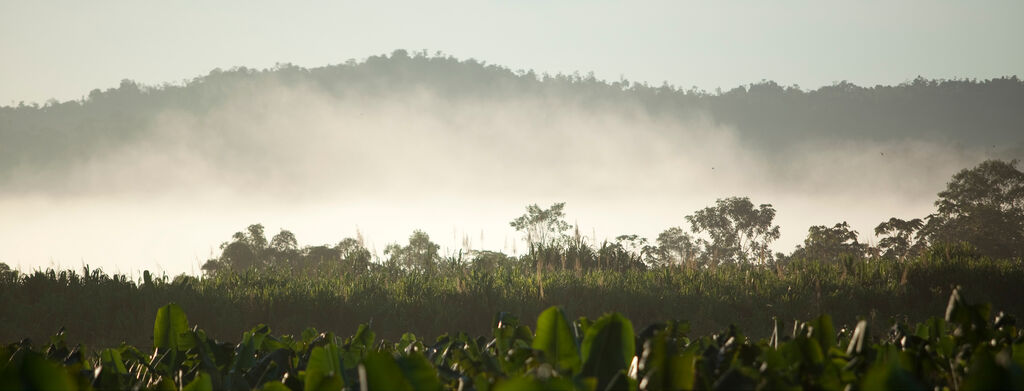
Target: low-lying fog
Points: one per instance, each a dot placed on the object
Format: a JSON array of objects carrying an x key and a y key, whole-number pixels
[{"x": 326, "y": 167}]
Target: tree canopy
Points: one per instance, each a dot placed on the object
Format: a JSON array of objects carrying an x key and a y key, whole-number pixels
[{"x": 983, "y": 206}]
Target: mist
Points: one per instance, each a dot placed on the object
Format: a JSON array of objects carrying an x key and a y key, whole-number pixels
[{"x": 381, "y": 163}]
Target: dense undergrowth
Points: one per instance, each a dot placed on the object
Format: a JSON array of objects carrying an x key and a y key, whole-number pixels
[
  {"x": 105, "y": 310},
  {"x": 962, "y": 351}
]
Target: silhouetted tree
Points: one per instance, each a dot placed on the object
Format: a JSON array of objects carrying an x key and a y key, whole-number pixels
[
  {"x": 284, "y": 247},
  {"x": 420, "y": 254},
  {"x": 675, "y": 247},
  {"x": 737, "y": 231},
  {"x": 542, "y": 226},
  {"x": 829, "y": 244},
  {"x": 354, "y": 257},
  {"x": 983, "y": 206},
  {"x": 900, "y": 238}
]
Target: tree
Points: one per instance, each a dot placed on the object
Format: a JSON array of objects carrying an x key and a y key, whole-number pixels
[
  {"x": 8, "y": 275},
  {"x": 284, "y": 242},
  {"x": 983, "y": 206},
  {"x": 825, "y": 243},
  {"x": 256, "y": 238},
  {"x": 737, "y": 231},
  {"x": 420, "y": 254},
  {"x": 245, "y": 250},
  {"x": 900, "y": 238},
  {"x": 318, "y": 257},
  {"x": 542, "y": 226},
  {"x": 283, "y": 247},
  {"x": 238, "y": 255},
  {"x": 674, "y": 246},
  {"x": 625, "y": 253},
  {"x": 354, "y": 256}
]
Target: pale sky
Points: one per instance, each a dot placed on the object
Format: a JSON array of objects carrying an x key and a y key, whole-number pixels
[{"x": 64, "y": 49}]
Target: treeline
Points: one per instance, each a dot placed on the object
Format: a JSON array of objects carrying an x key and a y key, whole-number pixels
[
  {"x": 770, "y": 116},
  {"x": 980, "y": 213}
]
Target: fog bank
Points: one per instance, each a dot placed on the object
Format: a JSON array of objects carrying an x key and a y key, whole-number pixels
[{"x": 326, "y": 166}]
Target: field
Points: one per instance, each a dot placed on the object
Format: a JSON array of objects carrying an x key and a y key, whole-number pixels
[{"x": 453, "y": 325}]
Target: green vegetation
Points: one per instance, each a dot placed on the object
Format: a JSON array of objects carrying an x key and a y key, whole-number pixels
[
  {"x": 717, "y": 274},
  {"x": 683, "y": 289},
  {"x": 962, "y": 351},
  {"x": 103, "y": 310}
]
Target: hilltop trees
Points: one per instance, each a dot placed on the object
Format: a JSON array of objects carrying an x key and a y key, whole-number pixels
[{"x": 57, "y": 136}]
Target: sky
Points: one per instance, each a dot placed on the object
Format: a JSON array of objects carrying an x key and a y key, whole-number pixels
[{"x": 63, "y": 49}]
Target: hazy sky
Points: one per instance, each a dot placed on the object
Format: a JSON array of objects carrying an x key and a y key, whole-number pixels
[{"x": 63, "y": 49}]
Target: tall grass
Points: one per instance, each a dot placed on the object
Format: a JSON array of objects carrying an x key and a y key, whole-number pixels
[{"x": 105, "y": 310}]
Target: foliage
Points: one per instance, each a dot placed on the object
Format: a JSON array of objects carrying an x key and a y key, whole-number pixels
[
  {"x": 830, "y": 243},
  {"x": 420, "y": 254},
  {"x": 59, "y": 136},
  {"x": 901, "y": 238},
  {"x": 542, "y": 227},
  {"x": 738, "y": 232},
  {"x": 675, "y": 247},
  {"x": 983, "y": 206},
  {"x": 250, "y": 250},
  {"x": 963, "y": 350},
  {"x": 103, "y": 308}
]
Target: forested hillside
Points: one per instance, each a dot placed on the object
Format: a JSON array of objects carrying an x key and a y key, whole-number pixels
[{"x": 767, "y": 115}]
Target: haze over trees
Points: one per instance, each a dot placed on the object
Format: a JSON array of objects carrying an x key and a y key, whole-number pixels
[
  {"x": 450, "y": 140},
  {"x": 57, "y": 137},
  {"x": 981, "y": 211}
]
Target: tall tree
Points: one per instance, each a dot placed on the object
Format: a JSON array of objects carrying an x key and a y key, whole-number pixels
[
  {"x": 984, "y": 206},
  {"x": 824, "y": 243},
  {"x": 737, "y": 231},
  {"x": 419, "y": 254},
  {"x": 675, "y": 247},
  {"x": 900, "y": 238},
  {"x": 542, "y": 226}
]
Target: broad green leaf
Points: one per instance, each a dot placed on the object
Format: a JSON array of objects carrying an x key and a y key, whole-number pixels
[
  {"x": 664, "y": 368},
  {"x": 364, "y": 336},
  {"x": 111, "y": 359},
  {"x": 170, "y": 328},
  {"x": 993, "y": 372},
  {"x": 532, "y": 384},
  {"x": 323, "y": 371},
  {"x": 379, "y": 371},
  {"x": 419, "y": 372},
  {"x": 202, "y": 382},
  {"x": 554, "y": 338},
  {"x": 608, "y": 347},
  {"x": 823, "y": 332},
  {"x": 735, "y": 379},
  {"x": 274, "y": 386},
  {"x": 888, "y": 375},
  {"x": 33, "y": 371}
]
